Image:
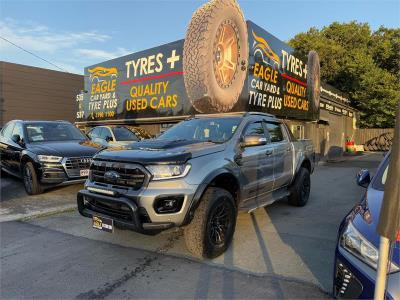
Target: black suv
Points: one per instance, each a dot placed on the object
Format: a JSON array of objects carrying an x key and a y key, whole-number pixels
[{"x": 45, "y": 153}]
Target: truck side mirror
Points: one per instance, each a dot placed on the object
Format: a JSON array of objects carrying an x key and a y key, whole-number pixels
[
  {"x": 109, "y": 139},
  {"x": 253, "y": 140},
  {"x": 363, "y": 178}
]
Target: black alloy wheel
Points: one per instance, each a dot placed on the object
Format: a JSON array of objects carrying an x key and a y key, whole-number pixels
[
  {"x": 221, "y": 220},
  {"x": 28, "y": 180}
]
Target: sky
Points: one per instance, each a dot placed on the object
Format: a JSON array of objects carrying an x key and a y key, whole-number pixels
[{"x": 74, "y": 34}]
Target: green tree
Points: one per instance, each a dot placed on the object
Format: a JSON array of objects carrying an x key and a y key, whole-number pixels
[{"x": 360, "y": 62}]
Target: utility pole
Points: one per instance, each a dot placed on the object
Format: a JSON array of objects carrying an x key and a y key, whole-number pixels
[{"x": 389, "y": 219}]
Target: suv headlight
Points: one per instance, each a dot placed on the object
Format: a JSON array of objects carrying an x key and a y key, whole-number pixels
[
  {"x": 49, "y": 158},
  {"x": 353, "y": 241},
  {"x": 161, "y": 172}
]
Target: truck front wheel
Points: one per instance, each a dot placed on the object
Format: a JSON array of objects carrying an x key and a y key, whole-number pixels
[
  {"x": 211, "y": 230},
  {"x": 300, "y": 189}
]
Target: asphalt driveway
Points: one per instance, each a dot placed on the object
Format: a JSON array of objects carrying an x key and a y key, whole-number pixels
[{"x": 277, "y": 252}]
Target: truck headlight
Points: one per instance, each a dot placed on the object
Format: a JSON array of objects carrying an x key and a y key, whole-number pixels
[
  {"x": 49, "y": 158},
  {"x": 161, "y": 172},
  {"x": 355, "y": 243}
]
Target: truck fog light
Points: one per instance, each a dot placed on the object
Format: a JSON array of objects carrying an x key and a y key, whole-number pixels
[{"x": 168, "y": 204}]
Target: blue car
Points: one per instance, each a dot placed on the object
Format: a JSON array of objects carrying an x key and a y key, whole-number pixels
[{"x": 356, "y": 254}]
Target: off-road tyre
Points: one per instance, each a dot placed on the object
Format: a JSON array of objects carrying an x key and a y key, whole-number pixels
[
  {"x": 197, "y": 234},
  {"x": 32, "y": 185},
  {"x": 200, "y": 56},
  {"x": 300, "y": 188},
  {"x": 313, "y": 80}
]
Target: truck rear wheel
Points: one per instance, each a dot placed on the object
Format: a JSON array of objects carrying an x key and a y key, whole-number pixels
[
  {"x": 215, "y": 56},
  {"x": 300, "y": 189},
  {"x": 313, "y": 79},
  {"x": 211, "y": 230}
]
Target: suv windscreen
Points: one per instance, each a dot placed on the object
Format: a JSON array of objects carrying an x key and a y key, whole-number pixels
[
  {"x": 124, "y": 134},
  {"x": 52, "y": 132},
  {"x": 216, "y": 130},
  {"x": 7, "y": 130},
  {"x": 381, "y": 176}
]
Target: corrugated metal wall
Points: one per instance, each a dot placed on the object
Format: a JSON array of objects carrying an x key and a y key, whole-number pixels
[{"x": 35, "y": 93}]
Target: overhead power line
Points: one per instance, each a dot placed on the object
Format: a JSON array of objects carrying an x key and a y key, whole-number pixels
[{"x": 33, "y": 54}]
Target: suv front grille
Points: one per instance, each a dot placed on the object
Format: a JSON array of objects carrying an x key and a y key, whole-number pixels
[
  {"x": 118, "y": 174},
  {"x": 73, "y": 165}
]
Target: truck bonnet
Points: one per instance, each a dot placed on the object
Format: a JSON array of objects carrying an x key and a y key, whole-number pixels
[{"x": 161, "y": 151}]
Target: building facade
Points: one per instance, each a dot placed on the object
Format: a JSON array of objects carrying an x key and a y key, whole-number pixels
[{"x": 37, "y": 94}]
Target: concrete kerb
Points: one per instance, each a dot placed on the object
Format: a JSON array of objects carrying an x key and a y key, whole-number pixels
[{"x": 39, "y": 214}]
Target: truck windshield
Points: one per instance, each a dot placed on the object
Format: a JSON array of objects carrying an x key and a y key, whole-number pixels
[
  {"x": 216, "y": 130},
  {"x": 124, "y": 134},
  {"x": 52, "y": 132}
]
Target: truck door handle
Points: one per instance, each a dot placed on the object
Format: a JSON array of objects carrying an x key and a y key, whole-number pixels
[{"x": 268, "y": 152}]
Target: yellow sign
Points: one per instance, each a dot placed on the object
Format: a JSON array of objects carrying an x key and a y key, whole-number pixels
[
  {"x": 103, "y": 72},
  {"x": 265, "y": 49}
]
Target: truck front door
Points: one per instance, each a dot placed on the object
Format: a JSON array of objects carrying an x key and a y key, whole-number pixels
[
  {"x": 283, "y": 155},
  {"x": 256, "y": 165}
]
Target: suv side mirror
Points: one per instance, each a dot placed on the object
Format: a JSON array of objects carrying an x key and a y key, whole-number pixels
[
  {"x": 16, "y": 138},
  {"x": 109, "y": 138},
  {"x": 363, "y": 178},
  {"x": 253, "y": 140}
]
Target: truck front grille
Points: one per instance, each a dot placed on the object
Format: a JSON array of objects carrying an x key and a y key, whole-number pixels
[
  {"x": 116, "y": 210},
  {"x": 118, "y": 174},
  {"x": 74, "y": 165}
]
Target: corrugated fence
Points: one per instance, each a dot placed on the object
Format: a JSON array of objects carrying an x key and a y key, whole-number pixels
[{"x": 374, "y": 139}]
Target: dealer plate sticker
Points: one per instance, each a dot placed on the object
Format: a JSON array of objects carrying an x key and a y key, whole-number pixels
[
  {"x": 103, "y": 223},
  {"x": 84, "y": 172}
]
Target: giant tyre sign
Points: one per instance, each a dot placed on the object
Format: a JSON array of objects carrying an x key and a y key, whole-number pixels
[
  {"x": 224, "y": 64},
  {"x": 313, "y": 79},
  {"x": 215, "y": 55}
]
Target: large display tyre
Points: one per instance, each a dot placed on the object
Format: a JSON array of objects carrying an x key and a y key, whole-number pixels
[
  {"x": 300, "y": 189},
  {"x": 210, "y": 232},
  {"x": 31, "y": 182},
  {"x": 215, "y": 56},
  {"x": 313, "y": 79}
]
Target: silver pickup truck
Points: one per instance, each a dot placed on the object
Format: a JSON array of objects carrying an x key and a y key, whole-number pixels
[{"x": 198, "y": 175}]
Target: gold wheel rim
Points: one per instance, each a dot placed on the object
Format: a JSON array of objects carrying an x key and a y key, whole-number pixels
[{"x": 226, "y": 54}]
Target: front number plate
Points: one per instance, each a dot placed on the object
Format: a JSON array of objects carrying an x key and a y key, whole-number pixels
[
  {"x": 84, "y": 172},
  {"x": 103, "y": 224}
]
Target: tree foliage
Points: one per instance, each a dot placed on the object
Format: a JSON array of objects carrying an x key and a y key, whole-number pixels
[{"x": 361, "y": 62}]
